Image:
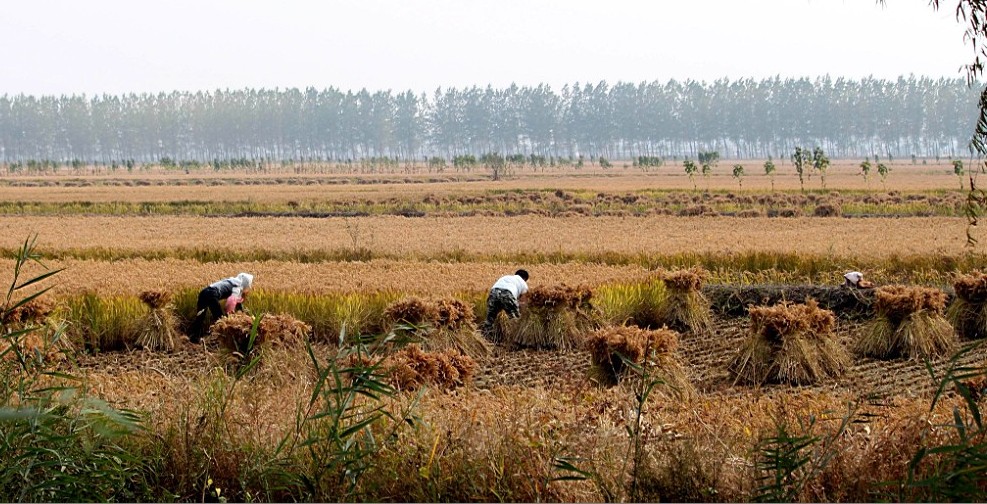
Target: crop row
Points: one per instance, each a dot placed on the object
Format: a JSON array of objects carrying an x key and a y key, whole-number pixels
[{"x": 553, "y": 203}]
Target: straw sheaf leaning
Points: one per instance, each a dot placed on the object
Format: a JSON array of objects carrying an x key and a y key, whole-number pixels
[
  {"x": 553, "y": 318},
  {"x": 158, "y": 329},
  {"x": 685, "y": 308},
  {"x": 908, "y": 322},
  {"x": 560, "y": 296},
  {"x": 790, "y": 343},
  {"x": 653, "y": 351},
  {"x": 440, "y": 324}
]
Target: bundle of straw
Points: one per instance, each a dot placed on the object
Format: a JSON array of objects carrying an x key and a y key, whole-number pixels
[
  {"x": 158, "y": 329},
  {"x": 909, "y": 322},
  {"x": 789, "y": 343},
  {"x": 35, "y": 311},
  {"x": 556, "y": 317},
  {"x": 412, "y": 310},
  {"x": 440, "y": 324},
  {"x": 652, "y": 351},
  {"x": 411, "y": 367},
  {"x": 685, "y": 308},
  {"x": 233, "y": 331},
  {"x": 968, "y": 311}
]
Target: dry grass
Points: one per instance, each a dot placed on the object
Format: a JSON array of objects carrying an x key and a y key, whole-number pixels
[
  {"x": 552, "y": 317},
  {"x": 790, "y": 343},
  {"x": 908, "y": 322},
  {"x": 474, "y": 445},
  {"x": 968, "y": 311}
]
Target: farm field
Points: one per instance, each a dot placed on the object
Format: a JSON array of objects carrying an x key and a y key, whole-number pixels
[{"x": 523, "y": 424}]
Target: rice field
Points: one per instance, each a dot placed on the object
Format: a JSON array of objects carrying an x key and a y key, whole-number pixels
[{"x": 528, "y": 420}]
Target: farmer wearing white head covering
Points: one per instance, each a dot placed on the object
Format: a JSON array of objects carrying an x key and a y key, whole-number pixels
[
  {"x": 853, "y": 278},
  {"x": 233, "y": 290}
]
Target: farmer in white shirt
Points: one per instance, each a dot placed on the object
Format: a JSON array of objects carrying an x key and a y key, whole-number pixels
[
  {"x": 232, "y": 289},
  {"x": 504, "y": 296}
]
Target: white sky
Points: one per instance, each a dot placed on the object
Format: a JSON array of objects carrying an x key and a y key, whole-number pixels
[{"x": 122, "y": 46}]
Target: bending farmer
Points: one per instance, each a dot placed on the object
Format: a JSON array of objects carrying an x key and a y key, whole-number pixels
[
  {"x": 233, "y": 290},
  {"x": 504, "y": 296}
]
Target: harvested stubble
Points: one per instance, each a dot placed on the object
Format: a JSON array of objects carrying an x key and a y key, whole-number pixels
[
  {"x": 908, "y": 322},
  {"x": 441, "y": 324},
  {"x": 556, "y": 318},
  {"x": 653, "y": 349},
  {"x": 280, "y": 330},
  {"x": 686, "y": 308},
  {"x": 790, "y": 343},
  {"x": 158, "y": 329},
  {"x": 968, "y": 311}
]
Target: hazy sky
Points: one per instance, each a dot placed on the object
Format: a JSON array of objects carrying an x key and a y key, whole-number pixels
[{"x": 121, "y": 46}]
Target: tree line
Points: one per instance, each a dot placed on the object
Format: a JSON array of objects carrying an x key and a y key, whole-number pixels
[{"x": 742, "y": 119}]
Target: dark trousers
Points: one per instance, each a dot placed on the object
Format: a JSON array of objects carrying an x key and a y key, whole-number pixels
[
  {"x": 497, "y": 301},
  {"x": 207, "y": 304}
]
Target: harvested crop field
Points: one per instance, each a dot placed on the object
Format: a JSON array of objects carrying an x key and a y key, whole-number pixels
[
  {"x": 260, "y": 422},
  {"x": 530, "y": 368}
]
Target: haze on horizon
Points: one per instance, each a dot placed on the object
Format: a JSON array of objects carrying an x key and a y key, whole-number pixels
[{"x": 55, "y": 47}]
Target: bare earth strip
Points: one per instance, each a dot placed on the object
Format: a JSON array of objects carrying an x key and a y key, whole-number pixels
[{"x": 425, "y": 237}]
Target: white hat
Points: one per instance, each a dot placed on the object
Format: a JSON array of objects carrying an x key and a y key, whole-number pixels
[
  {"x": 246, "y": 280},
  {"x": 854, "y": 277}
]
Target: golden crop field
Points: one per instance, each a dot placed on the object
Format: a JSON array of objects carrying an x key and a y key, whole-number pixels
[
  {"x": 417, "y": 248},
  {"x": 499, "y": 236}
]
